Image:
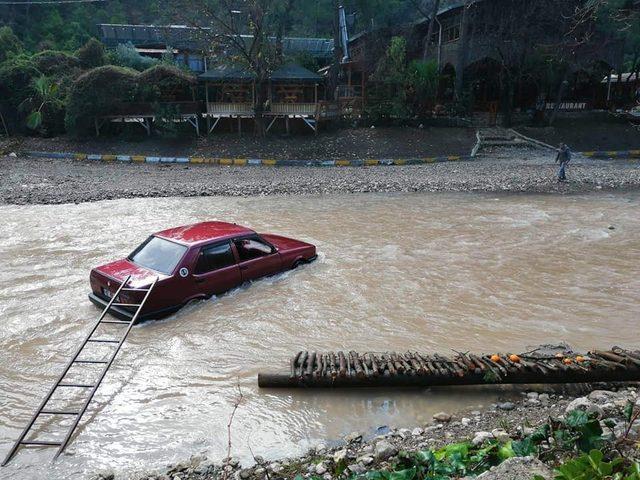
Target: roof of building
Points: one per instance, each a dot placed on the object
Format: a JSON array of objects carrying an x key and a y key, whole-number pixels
[
  {"x": 194, "y": 38},
  {"x": 294, "y": 72},
  {"x": 203, "y": 232},
  {"x": 227, "y": 73}
]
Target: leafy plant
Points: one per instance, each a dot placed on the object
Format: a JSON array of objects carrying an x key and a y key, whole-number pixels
[
  {"x": 98, "y": 92},
  {"x": 9, "y": 44},
  {"x": 46, "y": 94},
  {"x": 127, "y": 56},
  {"x": 593, "y": 466},
  {"x": 92, "y": 54}
]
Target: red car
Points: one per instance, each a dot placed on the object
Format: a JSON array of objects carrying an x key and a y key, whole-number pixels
[{"x": 194, "y": 262}]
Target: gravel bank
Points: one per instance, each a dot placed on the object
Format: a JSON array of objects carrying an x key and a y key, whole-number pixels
[
  {"x": 42, "y": 181},
  {"x": 356, "y": 455}
]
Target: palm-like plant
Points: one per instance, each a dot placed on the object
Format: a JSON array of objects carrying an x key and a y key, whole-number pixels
[{"x": 46, "y": 93}]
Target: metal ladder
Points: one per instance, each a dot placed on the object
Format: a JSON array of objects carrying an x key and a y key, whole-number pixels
[{"x": 75, "y": 361}]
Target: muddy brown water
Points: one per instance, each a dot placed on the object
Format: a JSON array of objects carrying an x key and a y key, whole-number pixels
[{"x": 395, "y": 272}]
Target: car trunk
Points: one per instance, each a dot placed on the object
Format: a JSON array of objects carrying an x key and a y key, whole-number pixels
[{"x": 106, "y": 280}]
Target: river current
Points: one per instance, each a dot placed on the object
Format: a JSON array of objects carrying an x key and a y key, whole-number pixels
[{"x": 428, "y": 272}]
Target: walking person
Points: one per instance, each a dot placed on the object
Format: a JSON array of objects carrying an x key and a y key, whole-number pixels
[{"x": 563, "y": 158}]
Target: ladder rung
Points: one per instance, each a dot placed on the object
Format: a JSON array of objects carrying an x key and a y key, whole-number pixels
[
  {"x": 77, "y": 385},
  {"x": 102, "y": 340},
  {"x": 39, "y": 442},
  {"x": 127, "y": 289},
  {"x": 125, "y": 304},
  {"x": 90, "y": 361},
  {"x": 115, "y": 322},
  {"x": 58, "y": 412}
]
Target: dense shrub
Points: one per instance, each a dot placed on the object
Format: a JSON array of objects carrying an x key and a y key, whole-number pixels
[
  {"x": 388, "y": 84},
  {"x": 399, "y": 89},
  {"x": 16, "y": 75},
  {"x": 98, "y": 92},
  {"x": 54, "y": 62},
  {"x": 128, "y": 56},
  {"x": 9, "y": 44},
  {"x": 92, "y": 54},
  {"x": 164, "y": 82}
]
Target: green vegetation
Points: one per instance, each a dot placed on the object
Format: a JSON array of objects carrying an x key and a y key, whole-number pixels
[
  {"x": 401, "y": 90},
  {"x": 92, "y": 54},
  {"x": 576, "y": 446},
  {"x": 97, "y": 92}
]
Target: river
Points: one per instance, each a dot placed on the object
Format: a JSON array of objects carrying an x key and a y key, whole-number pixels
[{"x": 429, "y": 272}]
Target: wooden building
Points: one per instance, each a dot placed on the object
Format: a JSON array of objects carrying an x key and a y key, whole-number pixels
[
  {"x": 294, "y": 92},
  {"x": 229, "y": 93}
]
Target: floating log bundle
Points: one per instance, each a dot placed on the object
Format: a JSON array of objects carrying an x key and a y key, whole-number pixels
[{"x": 543, "y": 365}]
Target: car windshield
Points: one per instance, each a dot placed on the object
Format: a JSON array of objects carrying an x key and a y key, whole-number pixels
[{"x": 158, "y": 254}]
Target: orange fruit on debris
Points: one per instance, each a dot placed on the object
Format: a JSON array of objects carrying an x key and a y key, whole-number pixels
[
  {"x": 580, "y": 358},
  {"x": 559, "y": 355},
  {"x": 514, "y": 358},
  {"x": 567, "y": 361},
  {"x": 495, "y": 358}
]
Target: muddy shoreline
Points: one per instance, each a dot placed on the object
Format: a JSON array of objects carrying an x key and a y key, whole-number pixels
[
  {"x": 54, "y": 181},
  {"x": 358, "y": 453}
]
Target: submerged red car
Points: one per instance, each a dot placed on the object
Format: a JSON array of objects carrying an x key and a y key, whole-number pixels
[{"x": 194, "y": 262}]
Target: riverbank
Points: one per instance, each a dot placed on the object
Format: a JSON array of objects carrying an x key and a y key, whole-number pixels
[
  {"x": 504, "y": 427},
  {"x": 55, "y": 181}
]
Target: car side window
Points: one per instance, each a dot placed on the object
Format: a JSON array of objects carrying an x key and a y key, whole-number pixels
[
  {"x": 215, "y": 257},
  {"x": 250, "y": 248}
]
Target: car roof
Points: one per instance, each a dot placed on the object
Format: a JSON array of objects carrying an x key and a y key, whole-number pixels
[{"x": 203, "y": 232}]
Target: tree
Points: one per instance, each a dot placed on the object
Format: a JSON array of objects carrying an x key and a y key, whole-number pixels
[
  {"x": 9, "y": 43},
  {"x": 46, "y": 96},
  {"x": 92, "y": 54},
  {"x": 428, "y": 9},
  {"x": 241, "y": 32}
]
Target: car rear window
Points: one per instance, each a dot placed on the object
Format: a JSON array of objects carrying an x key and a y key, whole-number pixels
[
  {"x": 158, "y": 254},
  {"x": 215, "y": 257}
]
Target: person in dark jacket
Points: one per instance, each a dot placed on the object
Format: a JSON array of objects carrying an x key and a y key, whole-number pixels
[{"x": 563, "y": 158}]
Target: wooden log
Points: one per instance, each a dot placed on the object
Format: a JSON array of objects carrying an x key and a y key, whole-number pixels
[
  {"x": 406, "y": 365},
  {"x": 343, "y": 364},
  {"x": 332, "y": 365},
  {"x": 324, "y": 365},
  {"x": 628, "y": 358},
  {"x": 422, "y": 363},
  {"x": 310, "y": 364},
  {"x": 416, "y": 365},
  {"x": 478, "y": 362},
  {"x": 303, "y": 359},
  {"x": 492, "y": 368},
  {"x": 365, "y": 367},
  {"x": 631, "y": 374},
  {"x": 318, "y": 370},
  {"x": 356, "y": 364},
  {"x": 609, "y": 356},
  {"x": 390, "y": 366},
  {"x": 374, "y": 365},
  {"x": 498, "y": 365},
  {"x": 294, "y": 362},
  {"x": 434, "y": 365},
  {"x": 468, "y": 363}
]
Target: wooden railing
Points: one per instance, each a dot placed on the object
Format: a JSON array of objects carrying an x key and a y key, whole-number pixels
[
  {"x": 307, "y": 109},
  {"x": 149, "y": 109},
  {"x": 220, "y": 108}
]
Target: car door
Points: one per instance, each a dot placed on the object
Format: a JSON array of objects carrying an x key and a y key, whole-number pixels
[
  {"x": 256, "y": 258},
  {"x": 216, "y": 269}
]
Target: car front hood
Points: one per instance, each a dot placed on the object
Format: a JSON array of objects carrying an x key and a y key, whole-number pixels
[{"x": 121, "y": 269}]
